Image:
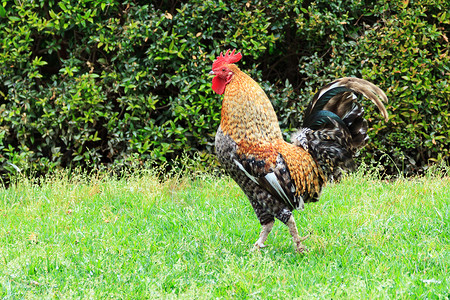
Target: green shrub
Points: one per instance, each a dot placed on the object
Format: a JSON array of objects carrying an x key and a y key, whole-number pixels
[
  {"x": 99, "y": 84},
  {"x": 408, "y": 54}
]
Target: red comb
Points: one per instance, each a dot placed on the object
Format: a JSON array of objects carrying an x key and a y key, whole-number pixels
[{"x": 228, "y": 58}]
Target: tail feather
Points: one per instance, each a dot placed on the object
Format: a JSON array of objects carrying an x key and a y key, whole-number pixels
[
  {"x": 334, "y": 126},
  {"x": 341, "y": 104},
  {"x": 342, "y": 92}
]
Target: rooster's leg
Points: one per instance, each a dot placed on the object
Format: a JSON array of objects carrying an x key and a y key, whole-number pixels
[
  {"x": 266, "y": 228},
  {"x": 297, "y": 239}
]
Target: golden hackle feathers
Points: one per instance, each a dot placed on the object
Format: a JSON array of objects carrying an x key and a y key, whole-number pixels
[{"x": 246, "y": 111}]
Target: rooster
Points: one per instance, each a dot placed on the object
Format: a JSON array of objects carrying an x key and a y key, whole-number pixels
[{"x": 279, "y": 177}]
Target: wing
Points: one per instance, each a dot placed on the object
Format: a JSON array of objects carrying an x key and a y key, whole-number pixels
[{"x": 287, "y": 172}]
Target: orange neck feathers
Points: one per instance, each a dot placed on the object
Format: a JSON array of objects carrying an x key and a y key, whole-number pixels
[{"x": 247, "y": 113}]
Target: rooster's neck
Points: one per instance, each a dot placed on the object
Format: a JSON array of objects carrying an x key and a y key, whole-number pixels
[{"x": 247, "y": 113}]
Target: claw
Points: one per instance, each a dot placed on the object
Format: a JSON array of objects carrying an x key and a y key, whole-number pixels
[
  {"x": 301, "y": 249},
  {"x": 258, "y": 245}
]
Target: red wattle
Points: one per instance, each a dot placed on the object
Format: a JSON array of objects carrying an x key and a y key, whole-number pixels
[{"x": 218, "y": 85}]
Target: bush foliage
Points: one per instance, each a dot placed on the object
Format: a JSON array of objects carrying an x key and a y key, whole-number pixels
[{"x": 102, "y": 83}]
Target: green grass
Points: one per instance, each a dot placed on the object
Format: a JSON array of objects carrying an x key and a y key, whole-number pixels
[{"x": 96, "y": 237}]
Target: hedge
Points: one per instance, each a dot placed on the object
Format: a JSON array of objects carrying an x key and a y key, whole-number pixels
[{"x": 101, "y": 84}]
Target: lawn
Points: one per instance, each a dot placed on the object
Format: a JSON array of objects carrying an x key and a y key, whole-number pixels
[{"x": 191, "y": 237}]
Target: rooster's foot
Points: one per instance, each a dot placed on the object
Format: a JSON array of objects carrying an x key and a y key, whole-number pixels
[
  {"x": 297, "y": 239},
  {"x": 300, "y": 249},
  {"x": 258, "y": 245},
  {"x": 266, "y": 228}
]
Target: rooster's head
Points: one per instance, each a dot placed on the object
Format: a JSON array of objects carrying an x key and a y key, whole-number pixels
[{"x": 221, "y": 71}]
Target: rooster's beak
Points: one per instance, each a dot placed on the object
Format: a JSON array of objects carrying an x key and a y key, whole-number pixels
[{"x": 212, "y": 73}]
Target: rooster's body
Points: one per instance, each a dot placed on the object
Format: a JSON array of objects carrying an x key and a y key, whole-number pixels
[{"x": 279, "y": 177}]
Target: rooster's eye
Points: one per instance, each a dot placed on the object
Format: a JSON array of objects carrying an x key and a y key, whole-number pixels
[{"x": 223, "y": 70}]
